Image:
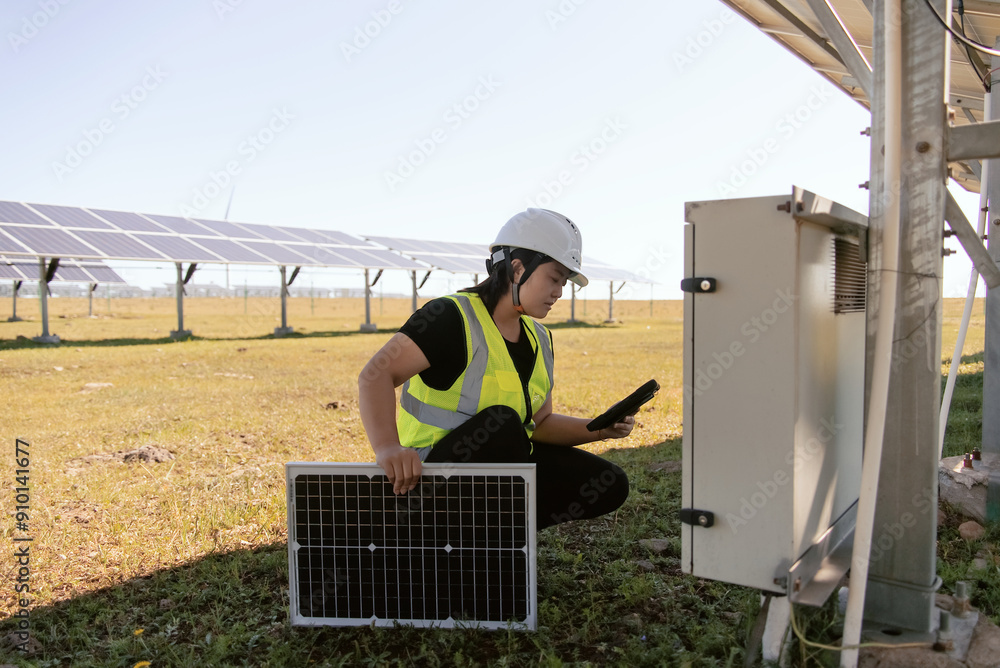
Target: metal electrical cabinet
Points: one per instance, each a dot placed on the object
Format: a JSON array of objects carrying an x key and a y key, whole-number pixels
[{"x": 774, "y": 341}]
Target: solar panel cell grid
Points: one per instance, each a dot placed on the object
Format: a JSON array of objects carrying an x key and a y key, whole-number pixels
[
  {"x": 15, "y": 212},
  {"x": 71, "y": 217},
  {"x": 131, "y": 222},
  {"x": 227, "y": 229},
  {"x": 118, "y": 245},
  {"x": 182, "y": 225},
  {"x": 458, "y": 549},
  {"x": 49, "y": 241}
]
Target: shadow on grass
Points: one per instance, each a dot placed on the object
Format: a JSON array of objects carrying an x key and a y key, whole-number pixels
[
  {"x": 23, "y": 342},
  {"x": 603, "y": 599}
]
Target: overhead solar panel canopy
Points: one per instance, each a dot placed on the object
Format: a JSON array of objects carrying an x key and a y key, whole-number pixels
[
  {"x": 835, "y": 38},
  {"x": 456, "y": 551}
]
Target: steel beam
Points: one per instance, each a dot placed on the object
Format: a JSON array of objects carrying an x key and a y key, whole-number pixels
[
  {"x": 902, "y": 569},
  {"x": 846, "y": 46},
  {"x": 991, "y": 353},
  {"x": 971, "y": 242},
  {"x": 981, "y": 140}
]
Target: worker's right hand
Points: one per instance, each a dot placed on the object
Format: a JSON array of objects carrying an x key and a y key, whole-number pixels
[{"x": 401, "y": 465}]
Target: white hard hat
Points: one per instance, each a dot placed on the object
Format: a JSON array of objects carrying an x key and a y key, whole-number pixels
[{"x": 546, "y": 232}]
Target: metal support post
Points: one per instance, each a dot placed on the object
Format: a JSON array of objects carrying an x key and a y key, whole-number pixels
[
  {"x": 90, "y": 300},
  {"x": 367, "y": 325},
  {"x": 13, "y": 316},
  {"x": 991, "y": 355},
  {"x": 180, "y": 332},
  {"x": 43, "y": 298},
  {"x": 572, "y": 302},
  {"x": 413, "y": 301},
  {"x": 902, "y": 576},
  {"x": 284, "y": 329},
  {"x": 611, "y": 302}
]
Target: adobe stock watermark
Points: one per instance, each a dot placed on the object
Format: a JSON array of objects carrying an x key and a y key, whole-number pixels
[
  {"x": 584, "y": 155},
  {"x": 563, "y": 11},
  {"x": 364, "y": 34},
  {"x": 225, "y": 7},
  {"x": 252, "y": 146},
  {"x": 796, "y": 459},
  {"x": 785, "y": 127},
  {"x": 121, "y": 108},
  {"x": 32, "y": 25},
  {"x": 752, "y": 330},
  {"x": 698, "y": 43},
  {"x": 656, "y": 259},
  {"x": 453, "y": 118}
]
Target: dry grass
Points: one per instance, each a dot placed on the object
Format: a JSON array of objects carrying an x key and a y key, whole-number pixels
[{"x": 234, "y": 405}]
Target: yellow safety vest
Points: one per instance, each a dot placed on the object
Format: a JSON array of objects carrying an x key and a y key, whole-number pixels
[{"x": 489, "y": 379}]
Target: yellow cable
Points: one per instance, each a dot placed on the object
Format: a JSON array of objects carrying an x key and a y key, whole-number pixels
[{"x": 836, "y": 648}]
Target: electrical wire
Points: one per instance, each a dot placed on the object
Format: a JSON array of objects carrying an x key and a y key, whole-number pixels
[
  {"x": 961, "y": 38},
  {"x": 837, "y": 648}
]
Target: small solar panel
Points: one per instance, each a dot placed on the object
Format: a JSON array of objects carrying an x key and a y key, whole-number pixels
[
  {"x": 15, "y": 212},
  {"x": 131, "y": 222},
  {"x": 227, "y": 229},
  {"x": 118, "y": 245},
  {"x": 49, "y": 241},
  {"x": 456, "y": 551},
  {"x": 176, "y": 248},
  {"x": 280, "y": 233},
  {"x": 232, "y": 251},
  {"x": 181, "y": 225},
  {"x": 69, "y": 216},
  {"x": 11, "y": 271},
  {"x": 280, "y": 253}
]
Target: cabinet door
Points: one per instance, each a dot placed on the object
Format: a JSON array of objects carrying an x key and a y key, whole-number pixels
[{"x": 739, "y": 390}]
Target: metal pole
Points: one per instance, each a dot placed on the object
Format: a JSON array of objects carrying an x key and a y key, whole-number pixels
[
  {"x": 902, "y": 576},
  {"x": 572, "y": 302},
  {"x": 367, "y": 326},
  {"x": 13, "y": 316},
  {"x": 90, "y": 300},
  {"x": 611, "y": 301},
  {"x": 43, "y": 293},
  {"x": 991, "y": 355},
  {"x": 413, "y": 280},
  {"x": 180, "y": 332}
]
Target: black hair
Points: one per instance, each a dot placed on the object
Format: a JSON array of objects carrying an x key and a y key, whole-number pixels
[{"x": 498, "y": 283}]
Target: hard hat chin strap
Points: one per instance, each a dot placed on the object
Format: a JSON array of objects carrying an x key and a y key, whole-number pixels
[{"x": 515, "y": 285}]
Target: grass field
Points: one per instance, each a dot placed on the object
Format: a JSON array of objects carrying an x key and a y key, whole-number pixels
[{"x": 184, "y": 562}]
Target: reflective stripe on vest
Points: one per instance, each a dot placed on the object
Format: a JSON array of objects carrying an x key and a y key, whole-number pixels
[{"x": 424, "y": 423}]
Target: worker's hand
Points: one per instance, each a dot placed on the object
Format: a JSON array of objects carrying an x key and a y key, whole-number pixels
[
  {"x": 401, "y": 465},
  {"x": 619, "y": 429}
]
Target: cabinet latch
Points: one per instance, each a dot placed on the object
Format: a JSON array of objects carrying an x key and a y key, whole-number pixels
[
  {"x": 698, "y": 284},
  {"x": 699, "y": 518}
]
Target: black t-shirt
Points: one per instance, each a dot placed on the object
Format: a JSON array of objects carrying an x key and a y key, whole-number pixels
[{"x": 439, "y": 331}]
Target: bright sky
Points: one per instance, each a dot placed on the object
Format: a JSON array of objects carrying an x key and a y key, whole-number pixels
[{"x": 435, "y": 120}]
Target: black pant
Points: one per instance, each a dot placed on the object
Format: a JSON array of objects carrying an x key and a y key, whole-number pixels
[{"x": 570, "y": 484}]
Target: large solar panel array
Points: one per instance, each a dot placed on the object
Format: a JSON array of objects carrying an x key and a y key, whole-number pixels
[
  {"x": 458, "y": 550},
  {"x": 41, "y": 230},
  {"x": 462, "y": 258},
  {"x": 70, "y": 270}
]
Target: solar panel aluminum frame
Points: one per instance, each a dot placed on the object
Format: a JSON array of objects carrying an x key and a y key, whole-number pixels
[{"x": 430, "y": 486}]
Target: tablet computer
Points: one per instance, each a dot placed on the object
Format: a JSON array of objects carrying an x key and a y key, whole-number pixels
[{"x": 627, "y": 406}]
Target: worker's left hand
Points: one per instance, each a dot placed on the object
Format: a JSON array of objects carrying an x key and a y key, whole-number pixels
[{"x": 619, "y": 429}]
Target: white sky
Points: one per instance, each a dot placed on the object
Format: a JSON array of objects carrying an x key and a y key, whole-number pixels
[{"x": 477, "y": 108}]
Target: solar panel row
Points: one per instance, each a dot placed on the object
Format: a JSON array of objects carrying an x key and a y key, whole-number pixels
[
  {"x": 60, "y": 231},
  {"x": 70, "y": 270}
]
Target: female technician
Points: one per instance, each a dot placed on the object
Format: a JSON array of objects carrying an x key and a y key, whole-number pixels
[{"x": 476, "y": 371}]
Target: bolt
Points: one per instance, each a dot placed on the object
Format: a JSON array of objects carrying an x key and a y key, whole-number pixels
[
  {"x": 923, "y": 147},
  {"x": 977, "y": 454},
  {"x": 798, "y": 584},
  {"x": 967, "y": 464},
  {"x": 787, "y": 206},
  {"x": 867, "y": 132},
  {"x": 706, "y": 285},
  {"x": 864, "y": 185},
  {"x": 996, "y": 221}
]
